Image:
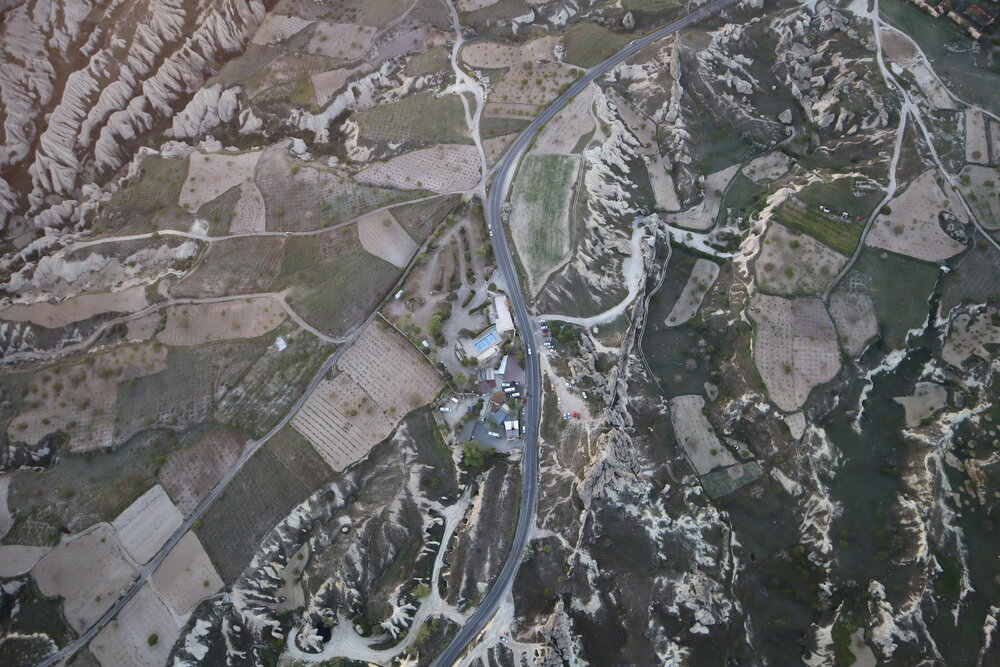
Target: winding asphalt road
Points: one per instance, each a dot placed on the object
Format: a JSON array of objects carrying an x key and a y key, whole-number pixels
[{"x": 503, "y": 175}]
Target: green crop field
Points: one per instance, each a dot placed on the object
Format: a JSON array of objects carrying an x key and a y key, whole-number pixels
[
  {"x": 421, "y": 118},
  {"x": 587, "y": 43},
  {"x": 420, "y": 219},
  {"x": 300, "y": 458},
  {"x": 839, "y": 196},
  {"x": 539, "y": 215},
  {"x": 841, "y": 235},
  {"x": 148, "y": 203}
]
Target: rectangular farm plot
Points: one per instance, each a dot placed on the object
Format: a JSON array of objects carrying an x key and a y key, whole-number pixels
[
  {"x": 540, "y": 223},
  {"x": 696, "y": 436},
  {"x": 443, "y": 168},
  {"x": 89, "y": 572},
  {"x": 981, "y": 189},
  {"x": 793, "y": 263},
  {"x": 381, "y": 379},
  {"x": 573, "y": 122},
  {"x": 126, "y": 639},
  {"x": 977, "y": 143},
  {"x": 703, "y": 276},
  {"x": 912, "y": 227},
  {"x": 382, "y": 236},
  {"x": 277, "y": 28},
  {"x": 341, "y": 41},
  {"x": 421, "y": 118},
  {"x": 227, "y": 267},
  {"x": 249, "y": 214},
  {"x": 795, "y": 348},
  {"x": 77, "y": 308},
  {"x": 195, "y": 324},
  {"x": 533, "y": 83},
  {"x": 191, "y": 473},
  {"x": 494, "y": 54},
  {"x": 186, "y": 575},
  {"x": 209, "y": 175},
  {"x": 147, "y": 524}
]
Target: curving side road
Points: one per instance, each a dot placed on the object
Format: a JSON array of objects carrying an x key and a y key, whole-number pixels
[{"x": 503, "y": 175}]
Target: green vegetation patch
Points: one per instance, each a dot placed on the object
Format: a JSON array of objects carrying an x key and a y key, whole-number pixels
[
  {"x": 845, "y": 626},
  {"x": 539, "y": 215},
  {"x": 839, "y": 196},
  {"x": 300, "y": 458},
  {"x": 421, "y": 218},
  {"x": 841, "y": 235},
  {"x": 225, "y": 269},
  {"x": 262, "y": 493},
  {"x": 97, "y": 485},
  {"x": 219, "y": 211},
  {"x": 421, "y": 118},
  {"x": 588, "y": 44},
  {"x": 148, "y": 203}
]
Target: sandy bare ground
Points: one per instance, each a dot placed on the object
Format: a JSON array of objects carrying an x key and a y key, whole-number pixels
[
  {"x": 702, "y": 216},
  {"x": 535, "y": 83},
  {"x": 796, "y": 423},
  {"x": 125, "y": 640},
  {"x": 189, "y": 474},
  {"x": 88, "y": 572},
  {"x": 662, "y": 182},
  {"x": 277, "y": 28},
  {"x": 211, "y": 174},
  {"x": 15, "y": 560},
  {"x": 186, "y": 576},
  {"x": 146, "y": 525},
  {"x": 977, "y": 147},
  {"x": 383, "y": 237},
  {"x": 494, "y": 54},
  {"x": 703, "y": 276},
  {"x": 792, "y": 263},
  {"x": 77, "y": 308},
  {"x": 982, "y": 192},
  {"x": 81, "y": 399},
  {"x": 561, "y": 134},
  {"x": 696, "y": 436},
  {"x": 249, "y": 212},
  {"x": 382, "y": 378},
  {"x": 341, "y": 41},
  {"x": 968, "y": 337},
  {"x": 142, "y": 328},
  {"x": 854, "y": 315},
  {"x": 441, "y": 168},
  {"x": 496, "y": 147},
  {"x": 767, "y": 167},
  {"x": 912, "y": 228},
  {"x": 901, "y": 49},
  {"x": 927, "y": 398},
  {"x": 195, "y": 324},
  {"x": 473, "y": 5},
  {"x": 795, "y": 348},
  {"x": 326, "y": 84}
]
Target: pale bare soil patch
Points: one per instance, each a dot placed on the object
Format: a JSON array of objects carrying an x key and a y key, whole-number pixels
[
  {"x": 191, "y": 473},
  {"x": 767, "y": 167},
  {"x": 982, "y": 192},
  {"x": 927, "y": 398},
  {"x": 15, "y": 560},
  {"x": 89, "y": 572},
  {"x": 533, "y": 83},
  {"x": 146, "y": 525},
  {"x": 642, "y": 127},
  {"x": 277, "y": 28},
  {"x": 494, "y": 54},
  {"x": 795, "y": 348},
  {"x": 473, "y": 5},
  {"x": 142, "y": 328},
  {"x": 854, "y": 315},
  {"x": 703, "y": 215},
  {"x": 77, "y": 308},
  {"x": 696, "y": 436},
  {"x": 249, "y": 212},
  {"x": 326, "y": 84},
  {"x": 211, "y": 174},
  {"x": 561, "y": 134},
  {"x": 662, "y": 182},
  {"x": 342, "y": 41},
  {"x": 496, "y": 147},
  {"x": 441, "y": 168},
  {"x": 195, "y": 324},
  {"x": 795, "y": 263},
  {"x": 381, "y": 235},
  {"x": 900, "y": 48},
  {"x": 382, "y": 378},
  {"x": 6, "y": 520},
  {"x": 703, "y": 276},
  {"x": 186, "y": 576},
  {"x": 977, "y": 146},
  {"x": 968, "y": 336},
  {"x": 125, "y": 640},
  {"x": 81, "y": 399},
  {"x": 912, "y": 228}
]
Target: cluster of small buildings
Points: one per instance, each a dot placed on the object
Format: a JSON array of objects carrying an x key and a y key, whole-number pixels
[{"x": 973, "y": 17}]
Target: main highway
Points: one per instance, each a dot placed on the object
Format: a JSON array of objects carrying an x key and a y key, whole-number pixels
[{"x": 503, "y": 175}]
